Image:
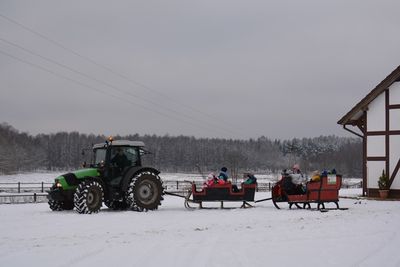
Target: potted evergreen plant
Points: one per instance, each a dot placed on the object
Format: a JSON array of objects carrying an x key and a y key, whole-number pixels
[{"x": 383, "y": 184}]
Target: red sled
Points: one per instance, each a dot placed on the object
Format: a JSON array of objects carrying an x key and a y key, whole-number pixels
[
  {"x": 324, "y": 191},
  {"x": 221, "y": 193}
]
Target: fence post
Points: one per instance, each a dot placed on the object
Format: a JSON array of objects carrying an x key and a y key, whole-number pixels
[
  {"x": 34, "y": 197},
  {"x": 42, "y": 187},
  {"x": 19, "y": 187},
  {"x": 177, "y": 185},
  {"x": 269, "y": 186}
]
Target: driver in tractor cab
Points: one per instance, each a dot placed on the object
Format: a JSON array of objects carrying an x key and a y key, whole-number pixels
[{"x": 120, "y": 160}]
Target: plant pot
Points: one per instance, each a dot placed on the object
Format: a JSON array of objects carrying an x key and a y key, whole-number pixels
[{"x": 383, "y": 193}]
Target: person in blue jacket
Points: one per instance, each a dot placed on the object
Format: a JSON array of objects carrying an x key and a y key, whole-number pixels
[{"x": 223, "y": 175}]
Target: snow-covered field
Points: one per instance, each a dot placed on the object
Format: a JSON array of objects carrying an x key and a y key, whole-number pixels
[{"x": 367, "y": 234}]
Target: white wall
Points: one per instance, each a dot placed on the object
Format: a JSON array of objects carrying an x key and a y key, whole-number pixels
[
  {"x": 394, "y": 142},
  {"x": 374, "y": 170},
  {"x": 394, "y": 124},
  {"x": 394, "y": 119},
  {"x": 394, "y": 94},
  {"x": 376, "y": 114},
  {"x": 376, "y": 146}
]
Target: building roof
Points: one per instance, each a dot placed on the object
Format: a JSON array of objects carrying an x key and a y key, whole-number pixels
[
  {"x": 357, "y": 111},
  {"x": 122, "y": 143}
]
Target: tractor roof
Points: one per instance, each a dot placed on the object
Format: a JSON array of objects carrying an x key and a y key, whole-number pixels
[{"x": 121, "y": 143}]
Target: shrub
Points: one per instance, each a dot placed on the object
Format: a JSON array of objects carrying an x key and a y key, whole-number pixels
[{"x": 383, "y": 181}]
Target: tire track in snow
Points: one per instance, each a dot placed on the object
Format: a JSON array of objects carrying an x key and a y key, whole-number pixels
[
  {"x": 79, "y": 260},
  {"x": 385, "y": 242}
]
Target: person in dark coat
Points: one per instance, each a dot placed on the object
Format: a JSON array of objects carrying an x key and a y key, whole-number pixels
[{"x": 120, "y": 159}]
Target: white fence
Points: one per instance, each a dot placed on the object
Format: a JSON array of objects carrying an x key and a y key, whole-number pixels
[{"x": 31, "y": 192}]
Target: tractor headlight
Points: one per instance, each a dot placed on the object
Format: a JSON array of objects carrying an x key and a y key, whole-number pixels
[{"x": 57, "y": 183}]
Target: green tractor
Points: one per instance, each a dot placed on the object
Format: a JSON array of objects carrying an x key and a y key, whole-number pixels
[{"x": 115, "y": 176}]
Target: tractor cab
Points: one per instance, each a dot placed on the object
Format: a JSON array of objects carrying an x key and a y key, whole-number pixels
[{"x": 114, "y": 158}]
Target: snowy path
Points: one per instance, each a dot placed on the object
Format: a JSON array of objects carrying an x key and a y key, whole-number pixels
[{"x": 368, "y": 232}]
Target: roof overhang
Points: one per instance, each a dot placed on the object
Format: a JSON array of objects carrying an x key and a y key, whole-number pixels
[{"x": 355, "y": 114}]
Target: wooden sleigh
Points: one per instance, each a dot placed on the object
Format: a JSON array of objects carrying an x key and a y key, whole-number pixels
[
  {"x": 324, "y": 191},
  {"x": 221, "y": 193}
]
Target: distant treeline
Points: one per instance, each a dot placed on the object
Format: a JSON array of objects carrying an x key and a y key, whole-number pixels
[{"x": 21, "y": 152}]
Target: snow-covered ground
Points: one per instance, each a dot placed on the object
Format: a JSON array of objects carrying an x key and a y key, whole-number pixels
[{"x": 367, "y": 234}]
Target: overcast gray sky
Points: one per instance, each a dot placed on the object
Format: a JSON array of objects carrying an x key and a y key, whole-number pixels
[{"x": 230, "y": 69}]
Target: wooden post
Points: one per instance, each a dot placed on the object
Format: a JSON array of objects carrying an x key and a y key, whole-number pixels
[
  {"x": 34, "y": 197},
  {"x": 19, "y": 187},
  {"x": 42, "y": 187}
]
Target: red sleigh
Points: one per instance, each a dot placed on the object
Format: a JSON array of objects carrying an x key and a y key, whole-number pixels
[{"x": 324, "y": 191}]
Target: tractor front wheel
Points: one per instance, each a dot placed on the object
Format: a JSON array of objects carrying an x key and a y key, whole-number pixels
[
  {"x": 60, "y": 205},
  {"x": 55, "y": 205},
  {"x": 88, "y": 197}
]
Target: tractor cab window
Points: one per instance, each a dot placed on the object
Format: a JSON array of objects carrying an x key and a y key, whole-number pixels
[
  {"x": 99, "y": 156},
  {"x": 132, "y": 155},
  {"x": 124, "y": 156}
]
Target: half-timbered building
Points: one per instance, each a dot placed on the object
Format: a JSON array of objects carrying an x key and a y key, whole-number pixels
[{"x": 376, "y": 119}]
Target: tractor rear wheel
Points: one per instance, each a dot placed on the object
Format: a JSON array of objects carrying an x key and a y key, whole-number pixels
[
  {"x": 88, "y": 197},
  {"x": 144, "y": 192}
]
